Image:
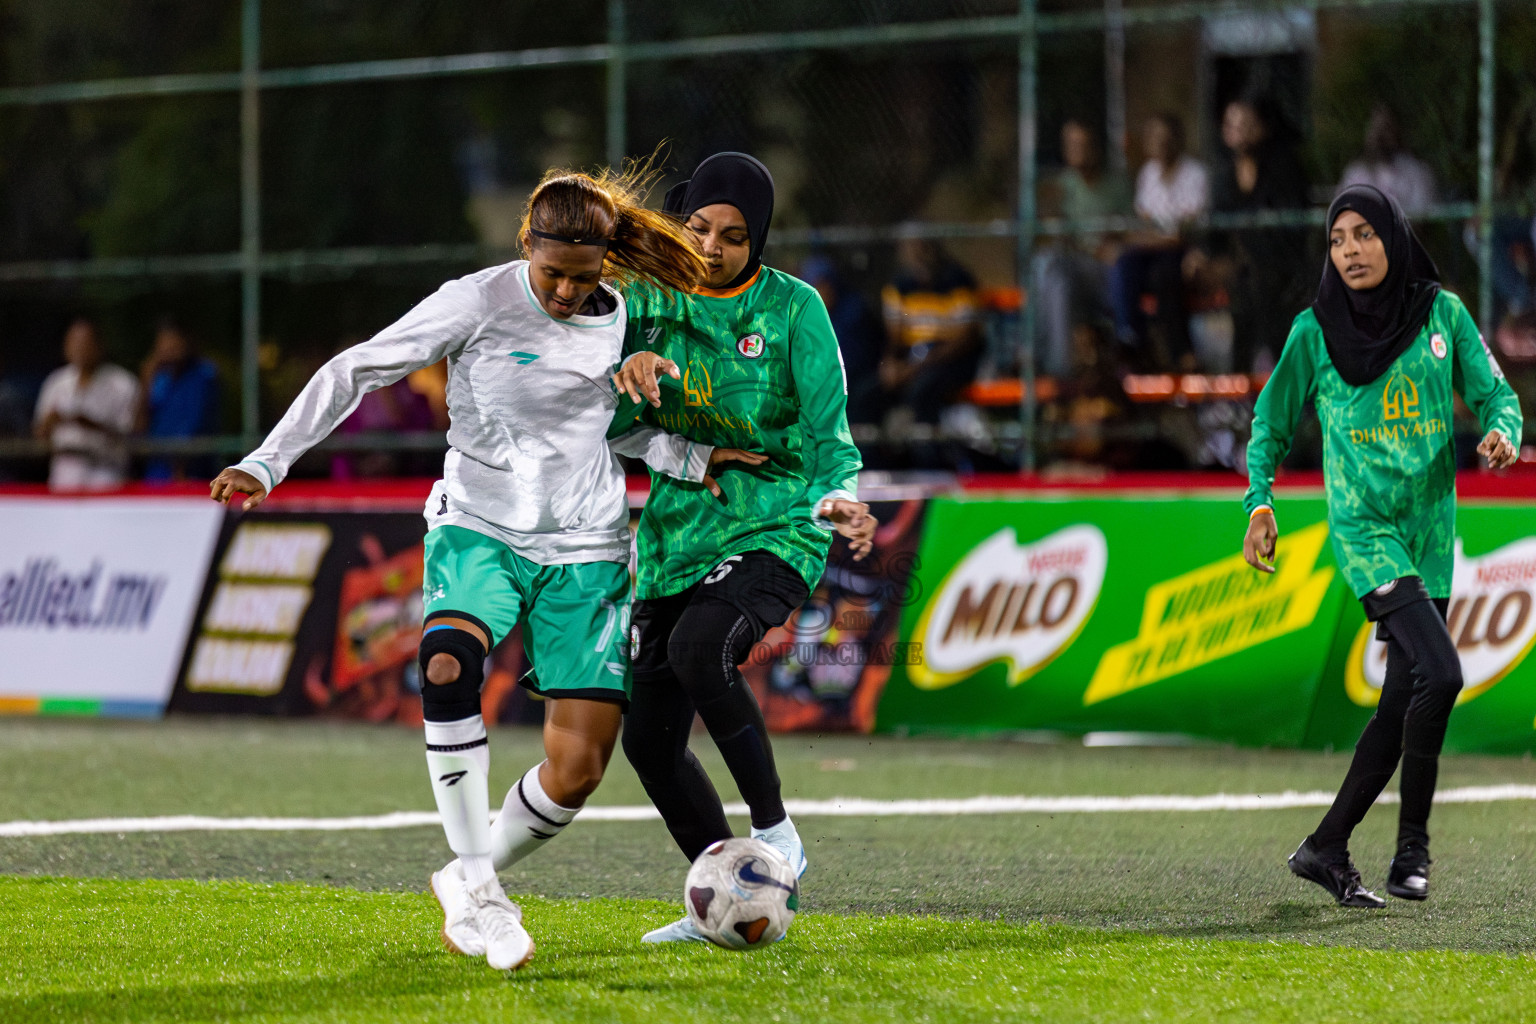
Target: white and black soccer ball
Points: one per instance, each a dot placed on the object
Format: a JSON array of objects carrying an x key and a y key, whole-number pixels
[{"x": 742, "y": 894}]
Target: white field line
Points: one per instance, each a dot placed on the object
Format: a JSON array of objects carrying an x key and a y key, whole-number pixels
[{"x": 838, "y": 807}]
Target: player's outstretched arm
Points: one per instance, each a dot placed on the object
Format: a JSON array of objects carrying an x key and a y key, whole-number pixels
[
  {"x": 234, "y": 481},
  {"x": 1259, "y": 543},
  {"x": 852, "y": 520}
]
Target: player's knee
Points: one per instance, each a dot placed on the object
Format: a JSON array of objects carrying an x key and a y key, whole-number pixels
[
  {"x": 453, "y": 662},
  {"x": 576, "y": 775},
  {"x": 442, "y": 669},
  {"x": 705, "y": 659},
  {"x": 1441, "y": 673}
]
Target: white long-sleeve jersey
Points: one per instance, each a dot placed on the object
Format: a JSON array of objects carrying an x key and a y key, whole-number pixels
[{"x": 530, "y": 403}]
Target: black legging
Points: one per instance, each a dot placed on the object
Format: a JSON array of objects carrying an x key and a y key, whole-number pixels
[
  {"x": 1422, "y": 682},
  {"x": 710, "y": 638}
]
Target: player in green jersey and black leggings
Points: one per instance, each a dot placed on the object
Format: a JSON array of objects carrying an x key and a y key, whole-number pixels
[
  {"x": 1381, "y": 352},
  {"x": 747, "y": 362}
]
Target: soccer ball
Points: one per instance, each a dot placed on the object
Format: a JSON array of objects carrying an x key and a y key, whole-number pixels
[{"x": 742, "y": 894}]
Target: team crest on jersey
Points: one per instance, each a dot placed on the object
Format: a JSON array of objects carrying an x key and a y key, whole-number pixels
[
  {"x": 1437, "y": 345},
  {"x": 751, "y": 346},
  {"x": 634, "y": 643}
]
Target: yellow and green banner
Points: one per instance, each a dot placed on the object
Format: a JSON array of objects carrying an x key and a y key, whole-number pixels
[{"x": 1137, "y": 613}]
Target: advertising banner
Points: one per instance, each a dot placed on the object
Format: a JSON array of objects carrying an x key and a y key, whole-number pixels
[
  {"x": 824, "y": 670},
  {"x": 310, "y": 613},
  {"x": 1493, "y": 624},
  {"x": 96, "y": 599},
  {"x": 1131, "y": 613},
  {"x": 1138, "y": 614}
]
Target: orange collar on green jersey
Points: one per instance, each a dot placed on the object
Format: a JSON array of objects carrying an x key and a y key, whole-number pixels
[{"x": 731, "y": 293}]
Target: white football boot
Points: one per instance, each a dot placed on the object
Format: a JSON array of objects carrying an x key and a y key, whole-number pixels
[
  {"x": 786, "y": 840},
  {"x": 460, "y": 932},
  {"x": 678, "y": 931},
  {"x": 507, "y": 945}
]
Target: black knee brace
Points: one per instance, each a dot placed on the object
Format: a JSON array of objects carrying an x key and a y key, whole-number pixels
[{"x": 450, "y": 702}]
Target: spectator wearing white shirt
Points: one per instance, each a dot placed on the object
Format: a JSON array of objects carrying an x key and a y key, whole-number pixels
[
  {"x": 85, "y": 412},
  {"x": 1172, "y": 190},
  {"x": 1172, "y": 187},
  {"x": 1388, "y": 166}
]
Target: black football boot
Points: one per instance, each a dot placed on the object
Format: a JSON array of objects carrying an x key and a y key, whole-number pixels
[
  {"x": 1408, "y": 878},
  {"x": 1337, "y": 874}
]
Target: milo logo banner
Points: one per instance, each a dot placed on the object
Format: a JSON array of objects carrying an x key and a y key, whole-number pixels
[
  {"x": 1492, "y": 620},
  {"x": 1116, "y": 614},
  {"x": 1139, "y": 614}
]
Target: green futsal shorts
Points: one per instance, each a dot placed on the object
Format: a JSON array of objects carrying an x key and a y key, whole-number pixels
[{"x": 575, "y": 617}]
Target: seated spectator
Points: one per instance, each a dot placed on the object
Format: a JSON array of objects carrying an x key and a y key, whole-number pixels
[
  {"x": 85, "y": 412},
  {"x": 1385, "y": 164},
  {"x": 180, "y": 398},
  {"x": 931, "y": 324},
  {"x": 858, "y": 332},
  {"x": 1266, "y": 271},
  {"x": 1072, "y": 276},
  {"x": 1171, "y": 191}
]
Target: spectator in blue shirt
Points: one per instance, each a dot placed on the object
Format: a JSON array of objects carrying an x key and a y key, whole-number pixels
[{"x": 180, "y": 399}]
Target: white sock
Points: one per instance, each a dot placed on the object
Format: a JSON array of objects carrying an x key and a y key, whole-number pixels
[
  {"x": 458, "y": 761},
  {"x": 528, "y": 820}
]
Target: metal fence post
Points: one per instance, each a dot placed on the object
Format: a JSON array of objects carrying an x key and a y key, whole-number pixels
[
  {"x": 1028, "y": 41},
  {"x": 1486, "y": 24},
  {"x": 617, "y": 84},
  {"x": 250, "y": 221},
  {"x": 1114, "y": 84}
]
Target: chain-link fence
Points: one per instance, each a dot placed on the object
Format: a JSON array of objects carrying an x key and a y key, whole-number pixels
[{"x": 288, "y": 178}]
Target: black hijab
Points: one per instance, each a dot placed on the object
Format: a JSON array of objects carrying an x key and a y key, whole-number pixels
[
  {"x": 737, "y": 179},
  {"x": 1367, "y": 330}
]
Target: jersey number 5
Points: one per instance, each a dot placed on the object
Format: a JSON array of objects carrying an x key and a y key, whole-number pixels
[{"x": 722, "y": 570}]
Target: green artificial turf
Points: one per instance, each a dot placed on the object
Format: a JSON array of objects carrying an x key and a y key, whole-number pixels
[
  {"x": 108, "y": 950},
  {"x": 1108, "y": 916}
]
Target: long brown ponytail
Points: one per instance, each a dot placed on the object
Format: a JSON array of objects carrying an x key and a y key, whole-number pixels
[{"x": 643, "y": 245}]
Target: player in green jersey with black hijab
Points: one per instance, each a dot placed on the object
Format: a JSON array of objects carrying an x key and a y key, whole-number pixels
[
  {"x": 1380, "y": 353},
  {"x": 748, "y": 362}
]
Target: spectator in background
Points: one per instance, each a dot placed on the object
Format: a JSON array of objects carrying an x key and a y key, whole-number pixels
[
  {"x": 1385, "y": 164},
  {"x": 1172, "y": 189},
  {"x": 1072, "y": 276},
  {"x": 402, "y": 407},
  {"x": 179, "y": 399},
  {"x": 858, "y": 332},
  {"x": 1267, "y": 268},
  {"x": 932, "y": 332},
  {"x": 85, "y": 412}
]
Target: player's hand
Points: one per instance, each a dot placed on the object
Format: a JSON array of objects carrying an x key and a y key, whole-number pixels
[
  {"x": 638, "y": 376},
  {"x": 1497, "y": 450},
  {"x": 1259, "y": 544},
  {"x": 235, "y": 481},
  {"x": 852, "y": 520},
  {"x": 724, "y": 455}
]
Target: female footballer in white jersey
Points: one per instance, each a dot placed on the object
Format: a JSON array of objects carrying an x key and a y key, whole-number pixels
[{"x": 529, "y": 522}]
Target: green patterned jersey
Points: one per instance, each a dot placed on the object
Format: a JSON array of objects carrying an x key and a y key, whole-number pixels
[
  {"x": 1388, "y": 457},
  {"x": 760, "y": 371}
]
